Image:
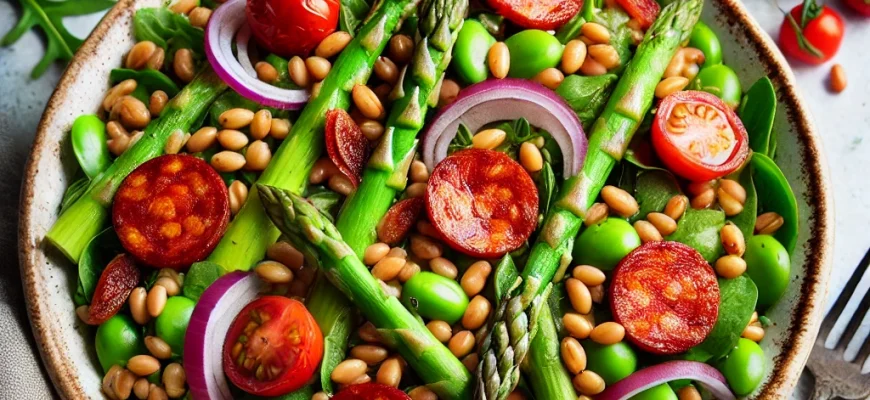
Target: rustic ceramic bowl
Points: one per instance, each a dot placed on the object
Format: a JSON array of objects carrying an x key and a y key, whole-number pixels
[{"x": 66, "y": 344}]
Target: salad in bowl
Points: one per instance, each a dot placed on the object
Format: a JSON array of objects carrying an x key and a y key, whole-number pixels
[{"x": 422, "y": 199}]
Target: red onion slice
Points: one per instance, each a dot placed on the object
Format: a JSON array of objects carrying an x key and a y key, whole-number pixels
[
  {"x": 225, "y": 22},
  {"x": 508, "y": 99},
  {"x": 646, "y": 378},
  {"x": 207, "y": 331}
]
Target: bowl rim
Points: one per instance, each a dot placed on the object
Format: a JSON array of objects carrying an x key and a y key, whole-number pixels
[{"x": 806, "y": 317}]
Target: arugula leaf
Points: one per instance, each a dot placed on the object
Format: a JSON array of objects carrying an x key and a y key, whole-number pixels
[
  {"x": 61, "y": 44},
  {"x": 546, "y": 188},
  {"x": 168, "y": 30},
  {"x": 351, "y": 15},
  {"x": 615, "y": 21}
]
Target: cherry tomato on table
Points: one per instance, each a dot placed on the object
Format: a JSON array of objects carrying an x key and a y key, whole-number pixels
[
  {"x": 537, "y": 14},
  {"x": 861, "y": 6},
  {"x": 273, "y": 347},
  {"x": 698, "y": 137},
  {"x": 371, "y": 391},
  {"x": 823, "y": 33},
  {"x": 292, "y": 27}
]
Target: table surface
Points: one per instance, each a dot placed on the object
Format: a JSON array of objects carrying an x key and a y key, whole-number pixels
[{"x": 843, "y": 121}]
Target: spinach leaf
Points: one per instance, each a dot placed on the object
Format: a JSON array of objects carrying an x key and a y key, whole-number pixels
[
  {"x": 775, "y": 194},
  {"x": 74, "y": 192},
  {"x": 587, "y": 95},
  {"x": 653, "y": 189},
  {"x": 746, "y": 219},
  {"x": 351, "y": 15},
  {"x": 149, "y": 79},
  {"x": 97, "y": 254},
  {"x": 615, "y": 20},
  {"x": 168, "y": 30},
  {"x": 757, "y": 113},
  {"x": 546, "y": 182},
  {"x": 700, "y": 230},
  {"x": 571, "y": 30},
  {"x": 737, "y": 298},
  {"x": 49, "y": 14},
  {"x": 199, "y": 277}
]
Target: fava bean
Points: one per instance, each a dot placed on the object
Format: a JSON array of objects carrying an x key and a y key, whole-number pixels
[
  {"x": 604, "y": 245},
  {"x": 703, "y": 38},
  {"x": 118, "y": 340},
  {"x": 172, "y": 322},
  {"x": 613, "y": 362},
  {"x": 744, "y": 367},
  {"x": 470, "y": 52},
  {"x": 533, "y": 51},
  {"x": 435, "y": 297},
  {"x": 769, "y": 266},
  {"x": 722, "y": 81}
]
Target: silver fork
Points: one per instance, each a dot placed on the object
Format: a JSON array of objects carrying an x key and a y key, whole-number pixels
[{"x": 836, "y": 377}]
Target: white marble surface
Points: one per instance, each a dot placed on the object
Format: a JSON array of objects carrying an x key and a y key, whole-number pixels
[{"x": 843, "y": 121}]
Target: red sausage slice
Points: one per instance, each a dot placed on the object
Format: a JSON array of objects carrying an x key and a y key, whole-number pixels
[
  {"x": 371, "y": 391},
  {"x": 116, "y": 282},
  {"x": 399, "y": 220},
  {"x": 666, "y": 296},
  {"x": 482, "y": 202},
  {"x": 171, "y": 211},
  {"x": 346, "y": 145}
]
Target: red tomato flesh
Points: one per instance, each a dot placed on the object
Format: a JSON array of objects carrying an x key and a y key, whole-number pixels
[
  {"x": 666, "y": 296},
  {"x": 824, "y": 32},
  {"x": 482, "y": 202},
  {"x": 861, "y": 6},
  {"x": 171, "y": 211},
  {"x": 346, "y": 145},
  {"x": 399, "y": 220},
  {"x": 698, "y": 137},
  {"x": 273, "y": 347},
  {"x": 371, "y": 391},
  {"x": 537, "y": 14},
  {"x": 292, "y": 27},
  {"x": 644, "y": 11},
  {"x": 116, "y": 282}
]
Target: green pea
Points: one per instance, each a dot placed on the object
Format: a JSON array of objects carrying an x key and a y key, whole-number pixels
[
  {"x": 703, "y": 38},
  {"x": 722, "y": 81},
  {"x": 88, "y": 136},
  {"x": 435, "y": 297},
  {"x": 769, "y": 266},
  {"x": 172, "y": 322},
  {"x": 533, "y": 51},
  {"x": 660, "y": 392},
  {"x": 744, "y": 367},
  {"x": 612, "y": 362},
  {"x": 118, "y": 339},
  {"x": 605, "y": 244},
  {"x": 470, "y": 52}
]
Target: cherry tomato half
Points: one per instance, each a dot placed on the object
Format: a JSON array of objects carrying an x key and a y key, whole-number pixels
[
  {"x": 273, "y": 347},
  {"x": 824, "y": 32},
  {"x": 861, "y": 6},
  {"x": 645, "y": 11},
  {"x": 537, "y": 14},
  {"x": 698, "y": 137},
  {"x": 292, "y": 27},
  {"x": 371, "y": 391}
]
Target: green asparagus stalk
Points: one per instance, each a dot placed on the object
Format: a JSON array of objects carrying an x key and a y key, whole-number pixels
[
  {"x": 311, "y": 232},
  {"x": 251, "y": 232},
  {"x": 385, "y": 175},
  {"x": 608, "y": 142},
  {"x": 85, "y": 218},
  {"x": 543, "y": 367}
]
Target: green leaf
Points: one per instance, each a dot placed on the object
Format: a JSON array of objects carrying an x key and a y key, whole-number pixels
[
  {"x": 97, "y": 254},
  {"x": 351, "y": 15},
  {"x": 775, "y": 194},
  {"x": 168, "y": 30},
  {"x": 48, "y": 15},
  {"x": 546, "y": 188},
  {"x": 810, "y": 11},
  {"x": 653, "y": 189},
  {"x": 571, "y": 30},
  {"x": 615, "y": 21},
  {"x": 559, "y": 304},
  {"x": 737, "y": 298},
  {"x": 757, "y": 113},
  {"x": 587, "y": 95},
  {"x": 149, "y": 79},
  {"x": 462, "y": 140},
  {"x": 746, "y": 219},
  {"x": 700, "y": 230},
  {"x": 199, "y": 277}
]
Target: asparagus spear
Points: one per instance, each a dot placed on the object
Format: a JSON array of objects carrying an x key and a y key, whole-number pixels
[
  {"x": 250, "y": 233},
  {"x": 610, "y": 136},
  {"x": 85, "y": 218},
  {"x": 311, "y": 232},
  {"x": 386, "y": 174}
]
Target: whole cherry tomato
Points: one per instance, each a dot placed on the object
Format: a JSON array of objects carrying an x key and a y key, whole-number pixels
[
  {"x": 817, "y": 41},
  {"x": 273, "y": 347},
  {"x": 861, "y": 6},
  {"x": 698, "y": 137},
  {"x": 292, "y": 27}
]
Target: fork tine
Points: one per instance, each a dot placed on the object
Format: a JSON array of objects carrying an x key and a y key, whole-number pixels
[
  {"x": 861, "y": 358},
  {"x": 844, "y": 297},
  {"x": 854, "y": 322}
]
